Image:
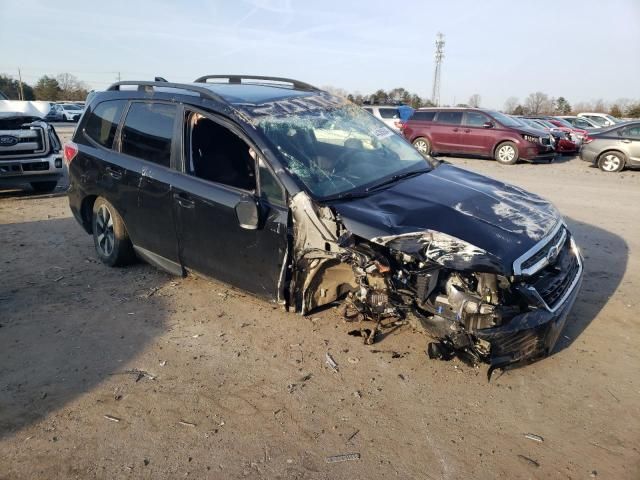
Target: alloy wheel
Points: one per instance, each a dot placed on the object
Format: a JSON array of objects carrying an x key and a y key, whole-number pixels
[
  {"x": 506, "y": 153},
  {"x": 421, "y": 146},
  {"x": 104, "y": 231},
  {"x": 610, "y": 163}
]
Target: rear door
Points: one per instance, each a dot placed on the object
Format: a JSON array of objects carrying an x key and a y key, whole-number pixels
[
  {"x": 446, "y": 136},
  {"x": 147, "y": 142},
  {"x": 475, "y": 138},
  {"x": 221, "y": 169}
]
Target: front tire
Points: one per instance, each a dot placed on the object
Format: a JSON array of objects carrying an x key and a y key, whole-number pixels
[
  {"x": 422, "y": 145},
  {"x": 110, "y": 236},
  {"x": 44, "y": 187},
  {"x": 611, "y": 162},
  {"x": 507, "y": 153}
]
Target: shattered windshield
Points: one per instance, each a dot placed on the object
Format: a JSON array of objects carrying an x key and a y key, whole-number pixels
[{"x": 340, "y": 151}]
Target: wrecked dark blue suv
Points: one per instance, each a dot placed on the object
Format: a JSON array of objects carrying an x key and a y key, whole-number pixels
[{"x": 301, "y": 197}]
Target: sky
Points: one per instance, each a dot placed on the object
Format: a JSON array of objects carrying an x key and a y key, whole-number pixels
[{"x": 583, "y": 50}]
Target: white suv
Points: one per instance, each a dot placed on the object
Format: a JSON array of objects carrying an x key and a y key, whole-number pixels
[
  {"x": 389, "y": 114},
  {"x": 602, "y": 119}
]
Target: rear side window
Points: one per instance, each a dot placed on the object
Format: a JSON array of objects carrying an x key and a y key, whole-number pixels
[
  {"x": 148, "y": 131},
  {"x": 453, "y": 118},
  {"x": 103, "y": 121},
  {"x": 389, "y": 112},
  {"x": 475, "y": 119},
  {"x": 423, "y": 116}
]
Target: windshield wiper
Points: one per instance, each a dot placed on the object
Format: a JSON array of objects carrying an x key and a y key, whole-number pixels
[
  {"x": 395, "y": 178},
  {"x": 344, "y": 196}
]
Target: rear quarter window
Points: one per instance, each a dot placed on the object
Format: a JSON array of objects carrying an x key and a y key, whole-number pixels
[
  {"x": 103, "y": 121},
  {"x": 148, "y": 132}
]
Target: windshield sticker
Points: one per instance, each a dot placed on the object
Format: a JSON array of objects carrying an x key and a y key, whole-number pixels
[{"x": 382, "y": 132}]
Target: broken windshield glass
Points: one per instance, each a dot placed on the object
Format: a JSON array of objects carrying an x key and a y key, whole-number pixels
[{"x": 335, "y": 151}]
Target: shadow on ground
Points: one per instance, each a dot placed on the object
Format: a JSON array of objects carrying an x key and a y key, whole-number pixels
[
  {"x": 606, "y": 257},
  {"x": 65, "y": 318}
]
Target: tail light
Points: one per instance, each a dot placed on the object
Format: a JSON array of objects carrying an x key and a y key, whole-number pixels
[
  {"x": 587, "y": 139},
  {"x": 70, "y": 151}
]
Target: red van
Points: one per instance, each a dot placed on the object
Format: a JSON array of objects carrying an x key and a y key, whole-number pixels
[{"x": 475, "y": 131}]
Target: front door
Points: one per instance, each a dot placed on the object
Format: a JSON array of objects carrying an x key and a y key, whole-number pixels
[
  {"x": 475, "y": 137},
  {"x": 220, "y": 171}
]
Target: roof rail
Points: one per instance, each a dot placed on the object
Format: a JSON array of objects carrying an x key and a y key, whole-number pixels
[
  {"x": 238, "y": 79},
  {"x": 146, "y": 86}
]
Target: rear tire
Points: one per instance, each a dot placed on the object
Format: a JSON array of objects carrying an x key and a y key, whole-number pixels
[
  {"x": 611, "y": 162},
  {"x": 507, "y": 153},
  {"x": 110, "y": 236},
  {"x": 44, "y": 187},
  {"x": 422, "y": 145}
]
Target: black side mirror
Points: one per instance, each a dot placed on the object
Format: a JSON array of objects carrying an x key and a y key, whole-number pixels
[
  {"x": 487, "y": 125},
  {"x": 248, "y": 213}
]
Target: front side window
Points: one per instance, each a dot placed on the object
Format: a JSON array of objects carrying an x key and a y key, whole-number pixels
[
  {"x": 632, "y": 132},
  {"x": 270, "y": 188},
  {"x": 336, "y": 151},
  {"x": 103, "y": 121},
  {"x": 148, "y": 132},
  {"x": 216, "y": 154},
  {"x": 450, "y": 118},
  {"x": 475, "y": 119}
]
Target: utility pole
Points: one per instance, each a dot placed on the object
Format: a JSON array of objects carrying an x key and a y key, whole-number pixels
[
  {"x": 20, "y": 84},
  {"x": 439, "y": 55}
]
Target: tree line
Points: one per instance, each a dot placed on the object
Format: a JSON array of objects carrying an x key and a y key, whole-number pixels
[
  {"x": 63, "y": 86},
  {"x": 537, "y": 103}
]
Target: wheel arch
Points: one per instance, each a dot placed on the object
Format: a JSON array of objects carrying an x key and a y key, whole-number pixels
[
  {"x": 86, "y": 211},
  {"x": 612, "y": 150}
]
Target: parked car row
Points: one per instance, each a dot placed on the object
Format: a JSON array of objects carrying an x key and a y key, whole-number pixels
[
  {"x": 507, "y": 139},
  {"x": 64, "y": 112}
]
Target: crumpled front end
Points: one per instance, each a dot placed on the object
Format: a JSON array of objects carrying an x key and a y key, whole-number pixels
[{"x": 460, "y": 295}]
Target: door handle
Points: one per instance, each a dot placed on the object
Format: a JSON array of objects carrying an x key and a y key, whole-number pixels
[
  {"x": 467, "y": 130},
  {"x": 114, "y": 173},
  {"x": 183, "y": 201},
  {"x": 456, "y": 129},
  {"x": 626, "y": 141}
]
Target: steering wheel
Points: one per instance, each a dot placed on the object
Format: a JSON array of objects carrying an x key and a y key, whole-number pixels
[{"x": 342, "y": 159}]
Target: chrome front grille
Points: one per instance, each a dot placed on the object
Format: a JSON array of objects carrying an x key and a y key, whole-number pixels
[
  {"x": 31, "y": 142},
  {"x": 551, "y": 269},
  {"x": 542, "y": 253}
]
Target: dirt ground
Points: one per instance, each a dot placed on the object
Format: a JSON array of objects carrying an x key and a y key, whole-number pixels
[{"x": 236, "y": 388}]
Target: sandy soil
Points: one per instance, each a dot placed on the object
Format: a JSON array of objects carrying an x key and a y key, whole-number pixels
[{"x": 235, "y": 388}]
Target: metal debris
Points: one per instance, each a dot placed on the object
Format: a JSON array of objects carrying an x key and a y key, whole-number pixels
[
  {"x": 187, "y": 424},
  {"x": 530, "y": 461},
  {"x": 352, "y": 436},
  {"x": 343, "y": 458},
  {"x": 331, "y": 362},
  {"x": 112, "y": 418},
  {"x": 534, "y": 437},
  {"x": 140, "y": 374}
]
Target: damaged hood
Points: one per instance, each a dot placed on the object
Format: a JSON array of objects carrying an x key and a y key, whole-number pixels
[
  {"x": 23, "y": 109},
  {"x": 497, "y": 220}
]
